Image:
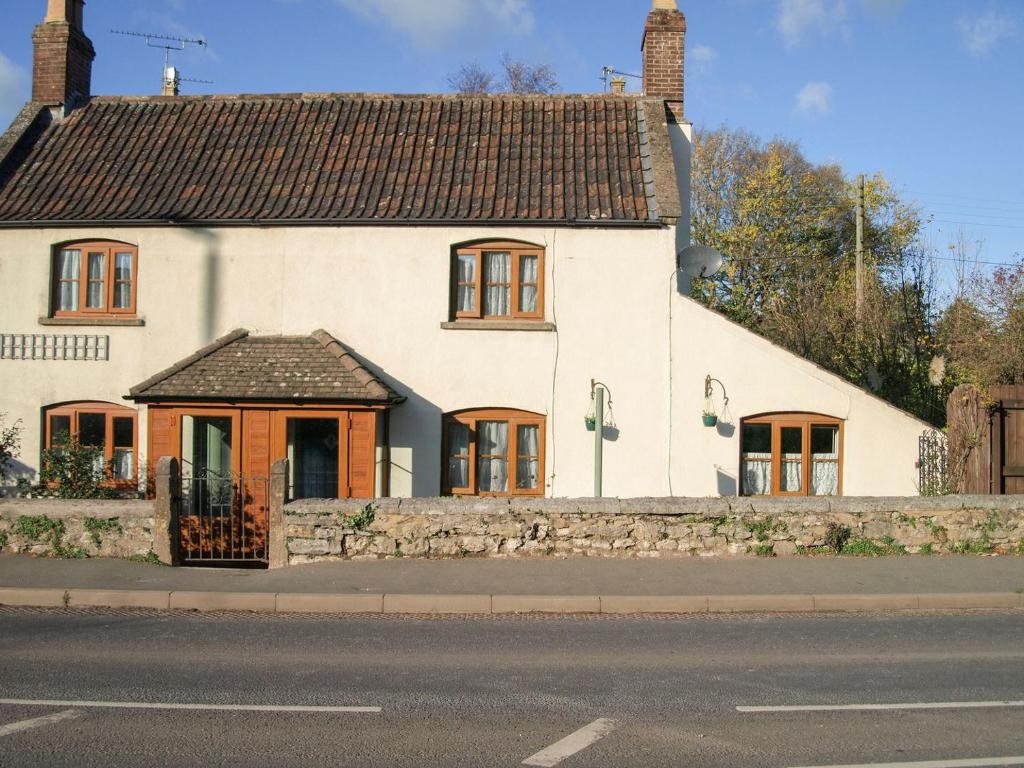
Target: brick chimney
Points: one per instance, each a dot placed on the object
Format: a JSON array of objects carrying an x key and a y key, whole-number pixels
[
  {"x": 663, "y": 48},
  {"x": 62, "y": 66}
]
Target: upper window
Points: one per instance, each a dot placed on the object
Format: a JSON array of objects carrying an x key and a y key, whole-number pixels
[
  {"x": 112, "y": 429},
  {"x": 499, "y": 281},
  {"x": 95, "y": 279},
  {"x": 495, "y": 452},
  {"x": 792, "y": 454}
]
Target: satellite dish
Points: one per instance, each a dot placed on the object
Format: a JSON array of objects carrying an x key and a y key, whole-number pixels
[{"x": 699, "y": 261}]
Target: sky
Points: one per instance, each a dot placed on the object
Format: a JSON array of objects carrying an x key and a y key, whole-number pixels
[{"x": 929, "y": 92}]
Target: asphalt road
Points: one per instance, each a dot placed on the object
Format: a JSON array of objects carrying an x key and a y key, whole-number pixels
[{"x": 462, "y": 691}]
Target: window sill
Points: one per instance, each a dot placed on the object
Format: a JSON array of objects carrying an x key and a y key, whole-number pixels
[
  {"x": 93, "y": 321},
  {"x": 498, "y": 325}
]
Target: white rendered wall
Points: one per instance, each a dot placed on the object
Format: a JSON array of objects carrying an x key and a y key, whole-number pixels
[
  {"x": 384, "y": 291},
  {"x": 880, "y": 443}
]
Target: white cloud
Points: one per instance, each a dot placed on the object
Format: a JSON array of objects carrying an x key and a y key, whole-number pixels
[
  {"x": 13, "y": 91},
  {"x": 799, "y": 18},
  {"x": 814, "y": 98},
  {"x": 981, "y": 34},
  {"x": 703, "y": 54},
  {"x": 431, "y": 24}
]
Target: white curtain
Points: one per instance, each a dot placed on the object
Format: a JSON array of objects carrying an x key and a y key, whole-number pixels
[
  {"x": 458, "y": 456},
  {"x": 492, "y": 450},
  {"x": 70, "y": 266},
  {"x": 528, "y": 459},
  {"x": 124, "y": 463},
  {"x": 122, "y": 280},
  {"x": 757, "y": 474},
  {"x": 825, "y": 474},
  {"x": 528, "y": 283},
  {"x": 498, "y": 276},
  {"x": 792, "y": 471},
  {"x": 467, "y": 284},
  {"x": 96, "y": 275}
]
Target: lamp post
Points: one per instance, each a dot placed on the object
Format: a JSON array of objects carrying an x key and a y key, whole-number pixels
[{"x": 597, "y": 390}]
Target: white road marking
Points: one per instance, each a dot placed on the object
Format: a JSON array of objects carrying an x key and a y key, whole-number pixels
[
  {"x": 36, "y": 722},
  {"x": 978, "y": 762},
  {"x": 913, "y": 705},
  {"x": 175, "y": 705},
  {"x": 572, "y": 743}
]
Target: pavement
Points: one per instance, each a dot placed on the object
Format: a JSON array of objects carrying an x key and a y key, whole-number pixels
[{"x": 484, "y": 586}]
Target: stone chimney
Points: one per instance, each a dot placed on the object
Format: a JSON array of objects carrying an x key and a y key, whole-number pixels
[
  {"x": 663, "y": 49},
  {"x": 618, "y": 85},
  {"x": 62, "y": 66}
]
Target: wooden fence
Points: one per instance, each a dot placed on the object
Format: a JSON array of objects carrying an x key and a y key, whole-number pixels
[{"x": 986, "y": 439}]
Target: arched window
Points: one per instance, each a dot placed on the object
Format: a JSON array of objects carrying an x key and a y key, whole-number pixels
[
  {"x": 113, "y": 429},
  {"x": 494, "y": 452},
  {"x": 94, "y": 279},
  {"x": 791, "y": 454},
  {"x": 498, "y": 280}
]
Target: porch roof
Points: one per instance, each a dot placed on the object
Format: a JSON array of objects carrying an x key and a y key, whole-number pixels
[{"x": 240, "y": 367}]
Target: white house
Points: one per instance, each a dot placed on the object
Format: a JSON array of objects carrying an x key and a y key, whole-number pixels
[{"x": 405, "y": 295}]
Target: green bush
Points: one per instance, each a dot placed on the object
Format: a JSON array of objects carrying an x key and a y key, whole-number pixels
[{"x": 75, "y": 471}]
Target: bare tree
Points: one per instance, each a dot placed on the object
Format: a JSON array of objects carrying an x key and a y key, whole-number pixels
[
  {"x": 471, "y": 79},
  {"x": 521, "y": 77},
  {"x": 517, "y": 77}
]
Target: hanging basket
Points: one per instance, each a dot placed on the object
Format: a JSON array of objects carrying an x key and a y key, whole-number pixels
[
  {"x": 709, "y": 419},
  {"x": 591, "y": 423}
]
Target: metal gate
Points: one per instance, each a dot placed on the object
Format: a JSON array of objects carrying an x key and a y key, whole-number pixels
[
  {"x": 933, "y": 464},
  {"x": 223, "y": 520}
]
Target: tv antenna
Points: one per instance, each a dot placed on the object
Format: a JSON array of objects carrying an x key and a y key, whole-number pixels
[
  {"x": 607, "y": 72},
  {"x": 168, "y": 43}
]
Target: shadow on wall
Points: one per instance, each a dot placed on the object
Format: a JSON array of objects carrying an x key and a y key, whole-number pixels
[
  {"x": 726, "y": 482},
  {"x": 414, "y": 437},
  {"x": 209, "y": 307},
  {"x": 16, "y": 471}
]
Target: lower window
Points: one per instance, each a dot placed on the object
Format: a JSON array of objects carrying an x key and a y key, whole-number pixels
[
  {"x": 791, "y": 454},
  {"x": 109, "y": 428},
  {"x": 494, "y": 452}
]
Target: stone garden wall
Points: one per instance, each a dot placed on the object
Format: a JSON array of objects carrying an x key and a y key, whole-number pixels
[
  {"x": 669, "y": 527},
  {"x": 86, "y": 528}
]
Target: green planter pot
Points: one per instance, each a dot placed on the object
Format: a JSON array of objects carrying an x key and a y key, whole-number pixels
[{"x": 709, "y": 419}]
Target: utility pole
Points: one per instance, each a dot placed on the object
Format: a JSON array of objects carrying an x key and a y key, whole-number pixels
[{"x": 860, "y": 251}]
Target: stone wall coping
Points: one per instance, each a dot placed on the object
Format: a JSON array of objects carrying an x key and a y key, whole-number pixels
[
  {"x": 677, "y": 506},
  {"x": 74, "y": 508}
]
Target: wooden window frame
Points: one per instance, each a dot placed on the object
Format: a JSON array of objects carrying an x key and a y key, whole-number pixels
[
  {"x": 518, "y": 251},
  {"x": 515, "y": 419},
  {"x": 109, "y": 248},
  {"x": 806, "y": 421},
  {"x": 111, "y": 411}
]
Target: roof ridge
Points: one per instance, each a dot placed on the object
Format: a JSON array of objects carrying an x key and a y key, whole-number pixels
[
  {"x": 209, "y": 349},
  {"x": 351, "y": 363},
  {"x": 364, "y": 95}
]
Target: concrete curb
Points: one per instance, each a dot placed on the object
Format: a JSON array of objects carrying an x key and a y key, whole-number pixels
[{"x": 284, "y": 602}]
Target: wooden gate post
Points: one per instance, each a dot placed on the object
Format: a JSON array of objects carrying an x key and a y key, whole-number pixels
[
  {"x": 277, "y": 541},
  {"x": 165, "y": 513}
]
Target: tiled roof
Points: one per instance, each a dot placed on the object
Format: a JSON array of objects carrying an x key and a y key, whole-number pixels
[
  {"x": 238, "y": 366},
  {"x": 347, "y": 158}
]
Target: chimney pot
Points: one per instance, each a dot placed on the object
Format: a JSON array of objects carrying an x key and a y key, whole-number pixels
[{"x": 618, "y": 85}]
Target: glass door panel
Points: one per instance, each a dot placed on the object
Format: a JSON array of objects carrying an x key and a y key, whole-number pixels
[
  {"x": 824, "y": 460},
  {"x": 791, "y": 474},
  {"x": 207, "y": 463},
  {"x": 313, "y": 452},
  {"x": 756, "y": 449}
]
